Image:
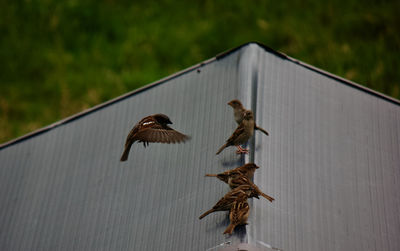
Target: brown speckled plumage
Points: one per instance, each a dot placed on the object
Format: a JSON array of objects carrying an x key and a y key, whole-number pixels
[
  {"x": 238, "y": 214},
  {"x": 225, "y": 203},
  {"x": 238, "y": 113},
  {"x": 242, "y": 133},
  {"x": 152, "y": 129},
  {"x": 247, "y": 170}
]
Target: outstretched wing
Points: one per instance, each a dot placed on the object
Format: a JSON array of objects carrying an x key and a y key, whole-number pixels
[{"x": 160, "y": 134}]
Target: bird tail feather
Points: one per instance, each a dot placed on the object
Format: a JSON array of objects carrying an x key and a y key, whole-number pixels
[
  {"x": 222, "y": 148},
  {"x": 125, "y": 155},
  {"x": 211, "y": 175},
  {"x": 267, "y": 197},
  {"x": 206, "y": 213},
  {"x": 262, "y": 130}
]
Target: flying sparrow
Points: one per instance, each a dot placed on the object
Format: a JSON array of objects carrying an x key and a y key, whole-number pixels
[
  {"x": 238, "y": 111},
  {"x": 225, "y": 203},
  {"x": 247, "y": 170},
  {"x": 152, "y": 128},
  {"x": 238, "y": 181},
  {"x": 242, "y": 133},
  {"x": 239, "y": 213}
]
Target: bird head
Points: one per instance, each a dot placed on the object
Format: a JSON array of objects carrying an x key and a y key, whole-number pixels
[
  {"x": 235, "y": 104},
  {"x": 251, "y": 166},
  {"x": 249, "y": 190},
  {"x": 254, "y": 190},
  {"x": 162, "y": 118},
  {"x": 254, "y": 194}
]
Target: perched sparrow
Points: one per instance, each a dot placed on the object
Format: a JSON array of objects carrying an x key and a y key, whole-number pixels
[
  {"x": 242, "y": 133},
  {"x": 238, "y": 181},
  {"x": 239, "y": 213},
  {"x": 152, "y": 128},
  {"x": 247, "y": 170},
  {"x": 225, "y": 203},
  {"x": 238, "y": 113}
]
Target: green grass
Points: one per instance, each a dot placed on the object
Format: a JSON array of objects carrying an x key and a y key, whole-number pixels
[{"x": 61, "y": 57}]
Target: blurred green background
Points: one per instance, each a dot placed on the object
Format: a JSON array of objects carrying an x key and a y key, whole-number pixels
[{"x": 61, "y": 57}]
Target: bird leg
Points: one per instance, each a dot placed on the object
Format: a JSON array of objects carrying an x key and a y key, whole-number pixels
[{"x": 240, "y": 150}]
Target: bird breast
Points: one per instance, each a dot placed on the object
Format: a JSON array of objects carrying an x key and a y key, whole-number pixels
[
  {"x": 247, "y": 132},
  {"x": 238, "y": 114}
]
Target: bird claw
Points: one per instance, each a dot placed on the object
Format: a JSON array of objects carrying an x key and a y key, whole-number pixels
[{"x": 240, "y": 150}]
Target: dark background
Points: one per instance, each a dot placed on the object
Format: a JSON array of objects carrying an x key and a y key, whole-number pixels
[{"x": 61, "y": 57}]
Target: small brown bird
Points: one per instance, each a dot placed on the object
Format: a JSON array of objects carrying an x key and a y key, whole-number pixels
[
  {"x": 247, "y": 170},
  {"x": 225, "y": 203},
  {"x": 242, "y": 134},
  {"x": 235, "y": 182},
  {"x": 239, "y": 213},
  {"x": 152, "y": 128},
  {"x": 238, "y": 113}
]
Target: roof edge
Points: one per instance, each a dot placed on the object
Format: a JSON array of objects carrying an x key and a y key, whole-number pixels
[
  {"x": 346, "y": 81},
  {"x": 227, "y": 52},
  {"x": 105, "y": 104},
  {"x": 316, "y": 69}
]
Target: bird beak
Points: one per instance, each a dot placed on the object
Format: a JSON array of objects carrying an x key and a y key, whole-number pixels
[
  {"x": 169, "y": 122},
  {"x": 230, "y": 103}
]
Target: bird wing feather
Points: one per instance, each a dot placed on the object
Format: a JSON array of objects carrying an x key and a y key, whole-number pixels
[
  {"x": 239, "y": 212},
  {"x": 160, "y": 134},
  {"x": 239, "y": 130}
]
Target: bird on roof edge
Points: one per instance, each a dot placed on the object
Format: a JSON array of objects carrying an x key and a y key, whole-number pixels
[
  {"x": 238, "y": 113},
  {"x": 239, "y": 213},
  {"x": 152, "y": 129},
  {"x": 242, "y": 134},
  {"x": 247, "y": 170},
  {"x": 225, "y": 203}
]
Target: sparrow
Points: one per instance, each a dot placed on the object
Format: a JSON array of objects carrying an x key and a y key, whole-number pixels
[
  {"x": 247, "y": 170},
  {"x": 225, "y": 203},
  {"x": 241, "y": 180},
  {"x": 242, "y": 133},
  {"x": 238, "y": 214},
  {"x": 153, "y": 128},
  {"x": 238, "y": 111}
]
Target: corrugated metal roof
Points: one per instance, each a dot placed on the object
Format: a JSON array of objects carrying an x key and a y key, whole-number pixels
[{"x": 331, "y": 162}]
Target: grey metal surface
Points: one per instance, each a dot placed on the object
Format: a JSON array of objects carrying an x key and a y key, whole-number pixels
[
  {"x": 65, "y": 189},
  {"x": 331, "y": 162}
]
